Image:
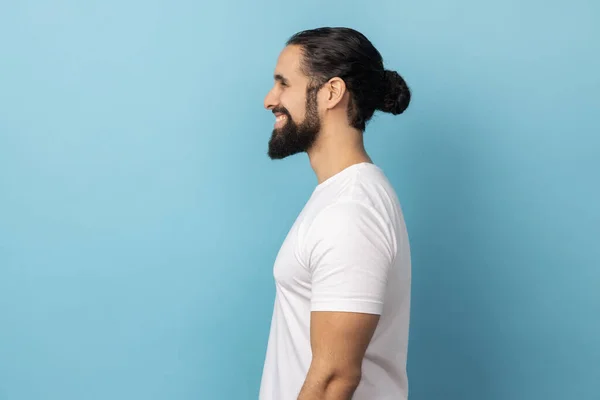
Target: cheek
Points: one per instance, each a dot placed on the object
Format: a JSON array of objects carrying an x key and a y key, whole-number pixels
[{"x": 295, "y": 104}]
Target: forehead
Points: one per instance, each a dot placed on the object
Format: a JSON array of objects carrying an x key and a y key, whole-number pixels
[{"x": 289, "y": 62}]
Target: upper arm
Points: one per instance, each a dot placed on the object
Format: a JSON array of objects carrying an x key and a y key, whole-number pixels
[
  {"x": 351, "y": 249},
  {"x": 339, "y": 341}
]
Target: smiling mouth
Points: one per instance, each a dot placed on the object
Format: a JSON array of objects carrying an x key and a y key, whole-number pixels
[{"x": 280, "y": 120}]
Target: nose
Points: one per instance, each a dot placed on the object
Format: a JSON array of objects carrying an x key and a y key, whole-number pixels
[{"x": 271, "y": 100}]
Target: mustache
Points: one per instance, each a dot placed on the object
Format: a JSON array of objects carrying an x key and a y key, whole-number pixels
[{"x": 281, "y": 110}]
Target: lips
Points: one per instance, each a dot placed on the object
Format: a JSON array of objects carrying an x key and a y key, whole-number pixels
[{"x": 280, "y": 120}]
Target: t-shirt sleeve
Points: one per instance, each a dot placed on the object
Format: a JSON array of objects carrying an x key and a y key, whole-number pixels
[{"x": 350, "y": 250}]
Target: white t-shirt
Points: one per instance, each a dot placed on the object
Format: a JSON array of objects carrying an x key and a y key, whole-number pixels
[{"x": 347, "y": 251}]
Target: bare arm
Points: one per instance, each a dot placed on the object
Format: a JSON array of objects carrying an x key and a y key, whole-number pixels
[{"x": 339, "y": 341}]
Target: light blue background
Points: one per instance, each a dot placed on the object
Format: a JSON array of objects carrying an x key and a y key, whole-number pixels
[{"x": 140, "y": 215}]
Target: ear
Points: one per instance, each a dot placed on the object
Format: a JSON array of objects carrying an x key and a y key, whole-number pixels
[{"x": 335, "y": 90}]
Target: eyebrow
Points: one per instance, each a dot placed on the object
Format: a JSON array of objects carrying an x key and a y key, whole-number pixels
[{"x": 281, "y": 78}]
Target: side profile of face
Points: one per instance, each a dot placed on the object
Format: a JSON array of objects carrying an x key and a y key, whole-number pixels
[{"x": 297, "y": 121}]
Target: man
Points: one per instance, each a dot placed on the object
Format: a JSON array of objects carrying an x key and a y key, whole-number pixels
[{"x": 340, "y": 323}]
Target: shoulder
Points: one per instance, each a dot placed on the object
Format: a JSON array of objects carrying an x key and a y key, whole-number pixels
[
  {"x": 349, "y": 227},
  {"x": 345, "y": 213},
  {"x": 356, "y": 205}
]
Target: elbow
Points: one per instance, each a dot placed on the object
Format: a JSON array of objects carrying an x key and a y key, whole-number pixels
[
  {"x": 345, "y": 380},
  {"x": 337, "y": 378},
  {"x": 350, "y": 383}
]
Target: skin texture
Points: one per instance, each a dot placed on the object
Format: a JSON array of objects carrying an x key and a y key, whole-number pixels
[{"x": 338, "y": 339}]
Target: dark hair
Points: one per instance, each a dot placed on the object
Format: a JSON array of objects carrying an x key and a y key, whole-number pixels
[{"x": 349, "y": 55}]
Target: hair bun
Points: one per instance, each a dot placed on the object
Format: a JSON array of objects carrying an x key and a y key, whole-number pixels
[{"x": 396, "y": 94}]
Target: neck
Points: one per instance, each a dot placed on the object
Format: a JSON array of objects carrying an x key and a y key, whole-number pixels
[{"x": 335, "y": 150}]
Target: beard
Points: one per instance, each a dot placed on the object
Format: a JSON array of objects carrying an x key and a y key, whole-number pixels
[{"x": 293, "y": 138}]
